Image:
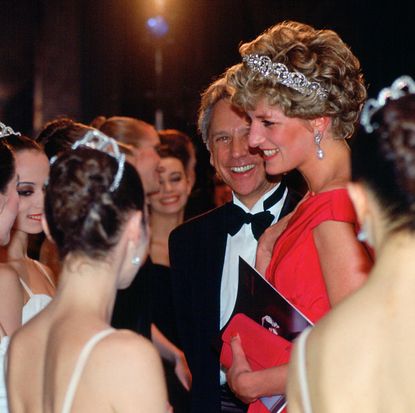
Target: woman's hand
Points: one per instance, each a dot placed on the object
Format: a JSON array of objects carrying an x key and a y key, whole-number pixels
[
  {"x": 168, "y": 351},
  {"x": 182, "y": 370},
  {"x": 266, "y": 243},
  {"x": 250, "y": 385},
  {"x": 238, "y": 375}
]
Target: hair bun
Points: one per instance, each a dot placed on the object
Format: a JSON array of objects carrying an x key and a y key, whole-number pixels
[{"x": 98, "y": 121}]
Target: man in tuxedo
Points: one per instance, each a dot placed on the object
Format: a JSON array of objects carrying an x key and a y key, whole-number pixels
[{"x": 204, "y": 251}]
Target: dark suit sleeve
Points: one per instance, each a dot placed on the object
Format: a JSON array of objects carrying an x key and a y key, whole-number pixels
[
  {"x": 181, "y": 284},
  {"x": 197, "y": 250}
]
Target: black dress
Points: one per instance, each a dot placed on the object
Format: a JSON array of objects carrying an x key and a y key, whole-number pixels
[
  {"x": 132, "y": 308},
  {"x": 163, "y": 317}
]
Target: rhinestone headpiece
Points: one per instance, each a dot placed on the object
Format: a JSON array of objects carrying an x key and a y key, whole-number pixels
[
  {"x": 402, "y": 86},
  {"x": 7, "y": 131},
  {"x": 97, "y": 140},
  {"x": 295, "y": 80}
]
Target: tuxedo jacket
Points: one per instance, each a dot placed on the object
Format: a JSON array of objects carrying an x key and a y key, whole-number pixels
[{"x": 197, "y": 253}]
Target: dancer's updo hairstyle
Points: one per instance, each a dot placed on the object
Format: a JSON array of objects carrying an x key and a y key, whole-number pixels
[
  {"x": 59, "y": 134},
  {"x": 384, "y": 160},
  {"x": 83, "y": 216}
]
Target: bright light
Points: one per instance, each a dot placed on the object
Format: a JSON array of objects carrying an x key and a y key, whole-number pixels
[{"x": 158, "y": 26}]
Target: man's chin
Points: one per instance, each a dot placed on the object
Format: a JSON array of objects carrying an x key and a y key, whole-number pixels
[{"x": 243, "y": 188}]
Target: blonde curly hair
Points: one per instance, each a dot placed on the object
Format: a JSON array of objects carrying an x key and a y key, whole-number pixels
[{"x": 322, "y": 57}]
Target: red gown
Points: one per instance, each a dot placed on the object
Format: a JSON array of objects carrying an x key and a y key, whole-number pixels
[{"x": 295, "y": 266}]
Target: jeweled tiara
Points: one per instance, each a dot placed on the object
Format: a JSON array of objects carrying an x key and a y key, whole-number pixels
[
  {"x": 97, "y": 140},
  {"x": 295, "y": 80},
  {"x": 7, "y": 131},
  {"x": 403, "y": 85}
]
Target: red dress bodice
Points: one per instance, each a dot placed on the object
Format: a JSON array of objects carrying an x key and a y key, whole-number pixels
[{"x": 295, "y": 268}]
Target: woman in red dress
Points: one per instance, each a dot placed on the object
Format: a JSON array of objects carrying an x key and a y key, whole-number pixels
[{"x": 302, "y": 89}]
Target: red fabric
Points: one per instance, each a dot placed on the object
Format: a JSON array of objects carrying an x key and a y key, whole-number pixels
[
  {"x": 258, "y": 407},
  {"x": 295, "y": 267},
  {"x": 261, "y": 347}
]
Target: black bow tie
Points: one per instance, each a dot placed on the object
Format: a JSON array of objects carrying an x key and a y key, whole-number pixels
[{"x": 260, "y": 221}]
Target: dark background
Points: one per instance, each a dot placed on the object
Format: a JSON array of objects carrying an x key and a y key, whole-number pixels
[{"x": 96, "y": 57}]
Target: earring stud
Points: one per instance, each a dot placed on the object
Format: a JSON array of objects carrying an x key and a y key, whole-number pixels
[
  {"x": 362, "y": 235},
  {"x": 135, "y": 260}
]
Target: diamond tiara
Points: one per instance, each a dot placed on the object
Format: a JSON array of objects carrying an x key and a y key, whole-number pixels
[
  {"x": 402, "y": 86},
  {"x": 95, "y": 139},
  {"x": 7, "y": 131},
  {"x": 263, "y": 64}
]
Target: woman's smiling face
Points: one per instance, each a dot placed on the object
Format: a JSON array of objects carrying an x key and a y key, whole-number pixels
[
  {"x": 174, "y": 188},
  {"x": 32, "y": 167},
  {"x": 285, "y": 143}
]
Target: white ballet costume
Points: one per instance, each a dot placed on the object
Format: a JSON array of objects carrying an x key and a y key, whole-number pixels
[{"x": 34, "y": 305}]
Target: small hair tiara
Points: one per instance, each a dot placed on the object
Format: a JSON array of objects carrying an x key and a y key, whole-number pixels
[
  {"x": 7, "y": 131},
  {"x": 263, "y": 64},
  {"x": 402, "y": 86},
  {"x": 95, "y": 139}
]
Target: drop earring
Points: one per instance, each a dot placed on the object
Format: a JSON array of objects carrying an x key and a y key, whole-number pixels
[
  {"x": 362, "y": 235},
  {"x": 135, "y": 260},
  {"x": 317, "y": 139}
]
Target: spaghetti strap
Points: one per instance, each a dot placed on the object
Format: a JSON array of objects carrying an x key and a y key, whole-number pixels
[
  {"x": 302, "y": 371},
  {"x": 26, "y": 288},
  {"x": 44, "y": 272},
  {"x": 79, "y": 367}
]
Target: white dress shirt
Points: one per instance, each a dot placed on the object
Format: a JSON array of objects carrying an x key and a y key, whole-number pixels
[{"x": 242, "y": 244}]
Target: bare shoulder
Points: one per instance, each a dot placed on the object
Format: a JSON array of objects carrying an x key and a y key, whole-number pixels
[
  {"x": 131, "y": 353},
  {"x": 8, "y": 275},
  {"x": 310, "y": 369},
  {"x": 131, "y": 344},
  {"x": 9, "y": 281},
  {"x": 129, "y": 367},
  {"x": 340, "y": 343},
  {"x": 330, "y": 227},
  {"x": 336, "y": 239},
  {"x": 340, "y": 327},
  {"x": 11, "y": 301}
]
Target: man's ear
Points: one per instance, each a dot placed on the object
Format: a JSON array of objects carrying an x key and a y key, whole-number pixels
[
  {"x": 211, "y": 161},
  {"x": 359, "y": 199},
  {"x": 45, "y": 228}
]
